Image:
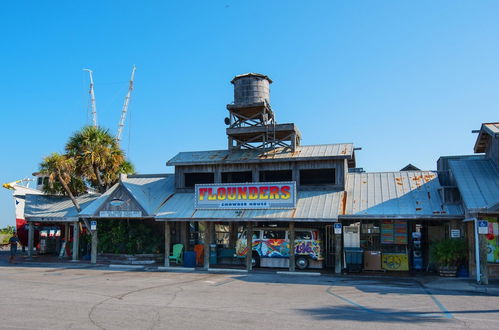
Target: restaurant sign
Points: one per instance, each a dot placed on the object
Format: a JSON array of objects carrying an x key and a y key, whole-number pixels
[{"x": 261, "y": 195}]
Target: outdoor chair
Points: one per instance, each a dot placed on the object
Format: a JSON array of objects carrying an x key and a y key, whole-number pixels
[{"x": 177, "y": 253}]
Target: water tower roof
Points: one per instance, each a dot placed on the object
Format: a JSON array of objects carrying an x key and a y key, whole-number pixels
[{"x": 251, "y": 74}]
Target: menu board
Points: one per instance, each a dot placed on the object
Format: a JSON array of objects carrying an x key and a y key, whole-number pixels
[{"x": 394, "y": 232}]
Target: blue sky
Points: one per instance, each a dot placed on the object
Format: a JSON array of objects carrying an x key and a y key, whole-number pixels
[{"x": 405, "y": 80}]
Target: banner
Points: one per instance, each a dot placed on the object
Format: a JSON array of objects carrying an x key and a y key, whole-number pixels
[{"x": 261, "y": 195}]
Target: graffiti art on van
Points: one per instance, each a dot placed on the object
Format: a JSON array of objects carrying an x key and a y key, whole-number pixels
[{"x": 279, "y": 248}]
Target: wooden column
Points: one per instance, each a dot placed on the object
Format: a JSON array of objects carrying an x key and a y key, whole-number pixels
[
  {"x": 184, "y": 234},
  {"x": 484, "y": 274},
  {"x": 31, "y": 238},
  {"x": 291, "y": 235},
  {"x": 76, "y": 241},
  {"x": 167, "y": 243},
  {"x": 207, "y": 241},
  {"x": 249, "y": 244},
  {"x": 233, "y": 226},
  {"x": 95, "y": 241},
  {"x": 338, "y": 252},
  {"x": 66, "y": 233}
]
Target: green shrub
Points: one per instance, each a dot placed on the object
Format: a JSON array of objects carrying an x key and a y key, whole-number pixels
[
  {"x": 449, "y": 252},
  {"x": 130, "y": 237}
]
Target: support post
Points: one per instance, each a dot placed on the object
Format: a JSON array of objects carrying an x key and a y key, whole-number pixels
[
  {"x": 167, "y": 243},
  {"x": 249, "y": 244},
  {"x": 338, "y": 255},
  {"x": 76, "y": 241},
  {"x": 484, "y": 273},
  {"x": 291, "y": 235},
  {"x": 232, "y": 234},
  {"x": 31, "y": 238},
  {"x": 95, "y": 241},
  {"x": 207, "y": 241},
  {"x": 184, "y": 234},
  {"x": 66, "y": 233}
]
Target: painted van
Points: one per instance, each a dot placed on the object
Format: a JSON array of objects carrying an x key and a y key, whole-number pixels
[{"x": 274, "y": 243}]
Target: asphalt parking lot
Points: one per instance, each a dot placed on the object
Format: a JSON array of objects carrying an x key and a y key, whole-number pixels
[{"x": 100, "y": 298}]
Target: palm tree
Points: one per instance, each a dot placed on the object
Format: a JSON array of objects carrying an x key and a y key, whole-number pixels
[
  {"x": 98, "y": 157},
  {"x": 60, "y": 169}
]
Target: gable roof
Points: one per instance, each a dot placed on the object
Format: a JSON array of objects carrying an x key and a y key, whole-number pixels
[
  {"x": 149, "y": 191},
  {"x": 478, "y": 183},
  {"x": 54, "y": 208},
  {"x": 404, "y": 194},
  {"x": 487, "y": 131},
  {"x": 311, "y": 152}
]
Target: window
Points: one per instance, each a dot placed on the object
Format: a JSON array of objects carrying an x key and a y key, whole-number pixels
[
  {"x": 236, "y": 177},
  {"x": 318, "y": 177},
  {"x": 274, "y": 234},
  {"x": 303, "y": 235},
  {"x": 276, "y": 176},
  {"x": 39, "y": 181},
  {"x": 197, "y": 178}
]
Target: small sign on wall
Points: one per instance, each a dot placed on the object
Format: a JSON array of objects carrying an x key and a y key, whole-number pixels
[
  {"x": 337, "y": 228},
  {"x": 93, "y": 225},
  {"x": 455, "y": 233},
  {"x": 483, "y": 227}
]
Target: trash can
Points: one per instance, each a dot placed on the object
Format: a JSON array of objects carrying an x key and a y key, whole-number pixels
[
  {"x": 353, "y": 258},
  {"x": 190, "y": 259},
  {"x": 213, "y": 254}
]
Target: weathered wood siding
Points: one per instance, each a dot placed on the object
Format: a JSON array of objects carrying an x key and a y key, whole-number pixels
[
  {"x": 129, "y": 202},
  {"x": 492, "y": 151},
  {"x": 339, "y": 165}
]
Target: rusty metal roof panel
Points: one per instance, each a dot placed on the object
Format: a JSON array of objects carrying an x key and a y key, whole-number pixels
[
  {"x": 54, "y": 208},
  {"x": 343, "y": 150},
  {"x": 397, "y": 194},
  {"x": 478, "y": 183}
]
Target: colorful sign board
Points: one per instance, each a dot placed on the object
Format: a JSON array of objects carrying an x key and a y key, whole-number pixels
[
  {"x": 261, "y": 195},
  {"x": 395, "y": 261}
]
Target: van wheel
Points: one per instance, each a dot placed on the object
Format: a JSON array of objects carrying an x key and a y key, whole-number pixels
[
  {"x": 301, "y": 262},
  {"x": 255, "y": 260}
]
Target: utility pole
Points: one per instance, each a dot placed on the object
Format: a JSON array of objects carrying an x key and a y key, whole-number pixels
[
  {"x": 92, "y": 98},
  {"x": 125, "y": 107}
]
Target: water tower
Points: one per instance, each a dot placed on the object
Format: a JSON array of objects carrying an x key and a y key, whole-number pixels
[{"x": 251, "y": 121}]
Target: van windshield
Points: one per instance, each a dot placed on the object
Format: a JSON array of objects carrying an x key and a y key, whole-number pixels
[
  {"x": 256, "y": 235},
  {"x": 274, "y": 234},
  {"x": 303, "y": 235}
]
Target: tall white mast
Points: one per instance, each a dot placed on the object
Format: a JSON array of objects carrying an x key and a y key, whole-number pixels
[
  {"x": 92, "y": 98},
  {"x": 125, "y": 107}
]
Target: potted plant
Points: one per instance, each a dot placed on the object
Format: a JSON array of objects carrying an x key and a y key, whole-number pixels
[{"x": 449, "y": 254}]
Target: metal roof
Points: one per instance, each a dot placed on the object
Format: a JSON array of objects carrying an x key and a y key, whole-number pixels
[
  {"x": 149, "y": 191},
  {"x": 251, "y": 74},
  {"x": 54, "y": 208},
  {"x": 310, "y": 206},
  {"x": 478, "y": 183},
  {"x": 311, "y": 152},
  {"x": 486, "y": 131},
  {"x": 404, "y": 194}
]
